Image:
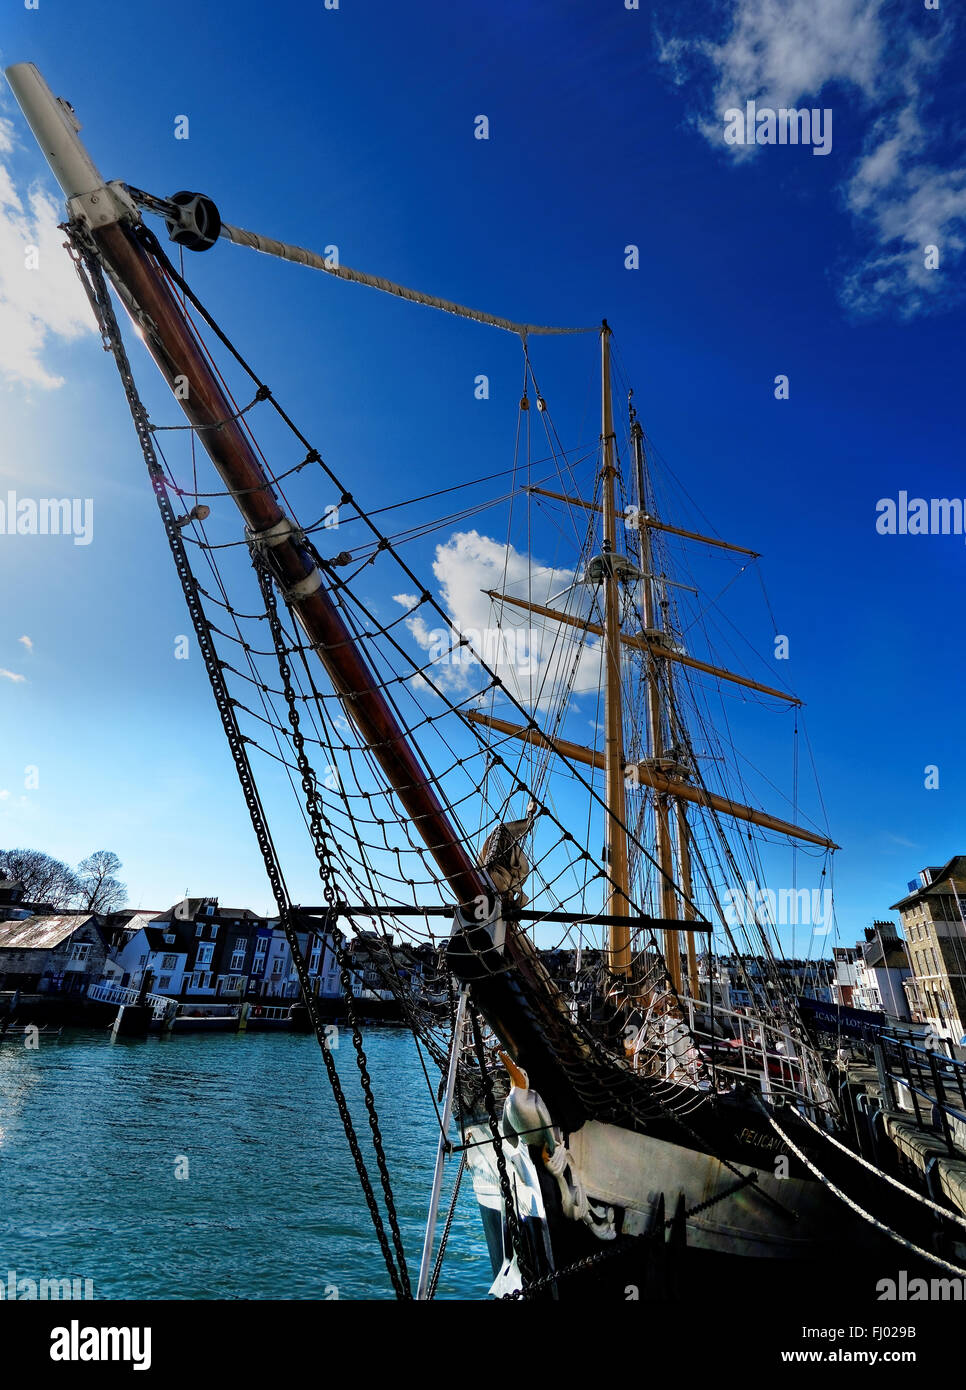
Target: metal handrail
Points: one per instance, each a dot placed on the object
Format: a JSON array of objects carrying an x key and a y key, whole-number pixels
[
  {"x": 762, "y": 1049},
  {"x": 939, "y": 1071}
]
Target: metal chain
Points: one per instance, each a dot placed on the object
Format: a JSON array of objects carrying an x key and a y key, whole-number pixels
[
  {"x": 94, "y": 284},
  {"x": 320, "y": 838},
  {"x": 438, "y": 1267},
  {"x": 509, "y": 1206}
]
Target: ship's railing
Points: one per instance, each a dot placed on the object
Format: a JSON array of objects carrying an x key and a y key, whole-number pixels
[
  {"x": 745, "y": 1045},
  {"x": 934, "y": 1084}
]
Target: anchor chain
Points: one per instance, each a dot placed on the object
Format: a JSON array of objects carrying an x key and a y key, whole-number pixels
[{"x": 319, "y": 843}]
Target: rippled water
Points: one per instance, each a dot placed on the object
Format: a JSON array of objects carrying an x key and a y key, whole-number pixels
[{"x": 92, "y": 1132}]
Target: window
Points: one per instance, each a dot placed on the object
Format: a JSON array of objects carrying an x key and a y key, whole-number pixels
[
  {"x": 82, "y": 949},
  {"x": 169, "y": 963},
  {"x": 261, "y": 947},
  {"x": 204, "y": 955},
  {"x": 238, "y": 959},
  {"x": 169, "y": 938},
  {"x": 199, "y": 928},
  {"x": 277, "y": 965},
  {"x": 210, "y": 910},
  {"x": 213, "y": 930},
  {"x": 164, "y": 982}
]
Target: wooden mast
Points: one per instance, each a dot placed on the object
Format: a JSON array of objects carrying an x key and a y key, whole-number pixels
[
  {"x": 655, "y": 717},
  {"x": 615, "y": 837}
]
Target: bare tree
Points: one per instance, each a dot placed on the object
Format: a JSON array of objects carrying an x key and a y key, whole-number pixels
[
  {"x": 44, "y": 879},
  {"x": 100, "y": 888}
]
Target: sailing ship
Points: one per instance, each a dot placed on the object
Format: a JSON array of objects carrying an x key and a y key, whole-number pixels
[{"x": 630, "y": 1130}]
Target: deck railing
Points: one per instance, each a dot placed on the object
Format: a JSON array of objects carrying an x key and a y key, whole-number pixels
[
  {"x": 740, "y": 1045},
  {"x": 934, "y": 1083}
]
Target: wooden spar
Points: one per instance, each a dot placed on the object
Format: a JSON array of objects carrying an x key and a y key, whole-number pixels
[
  {"x": 111, "y": 219},
  {"x": 650, "y": 777},
  {"x": 590, "y": 757},
  {"x": 662, "y": 827},
  {"x": 642, "y": 644},
  {"x": 615, "y": 834},
  {"x": 651, "y": 523}
]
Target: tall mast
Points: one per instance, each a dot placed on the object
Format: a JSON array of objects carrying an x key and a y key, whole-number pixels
[
  {"x": 655, "y": 719},
  {"x": 615, "y": 835}
]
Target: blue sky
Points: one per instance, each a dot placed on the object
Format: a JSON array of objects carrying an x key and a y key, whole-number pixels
[{"x": 355, "y": 127}]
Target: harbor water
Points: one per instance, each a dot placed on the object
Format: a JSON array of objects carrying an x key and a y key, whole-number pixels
[{"x": 216, "y": 1167}]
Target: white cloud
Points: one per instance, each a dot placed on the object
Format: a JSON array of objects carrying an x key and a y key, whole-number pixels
[
  {"x": 407, "y": 600},
  {"x": 778, "y": 51},
  {"x": 27, "y": 641},
  {"x": 906, "y": 192},
  {"x": 532, "y": 655},
  {"x": 11, "y": 675},
  {"x": 36, "y": 305}
]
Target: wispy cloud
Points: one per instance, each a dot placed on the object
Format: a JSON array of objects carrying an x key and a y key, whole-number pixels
[
  {"x": 901, "y": 841},
  {"x": 41, "y": 303},
  {"x": 6, "y": 675},
  {"x": 908, "y": 189},
  {"x": 27, "y": 642}
]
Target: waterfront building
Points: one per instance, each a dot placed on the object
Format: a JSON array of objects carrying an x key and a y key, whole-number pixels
[
  {"x": 53, "y": 955},
  {"x": 934, "y": 926},
  {"x": 219, "y": 945},
  {"x": 881, "y": 967},
  {"x": 277, "y": 977},
  {"x": 152, "y": 955},
  {"x": 814, "y": 978},
  {"x": 845, "y": 975}
]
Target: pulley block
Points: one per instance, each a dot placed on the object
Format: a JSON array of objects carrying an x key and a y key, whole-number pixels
[{"x": 198, "y": 224}]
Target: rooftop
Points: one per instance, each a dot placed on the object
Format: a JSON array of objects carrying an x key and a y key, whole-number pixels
[{"x": 40, "y": 933}]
